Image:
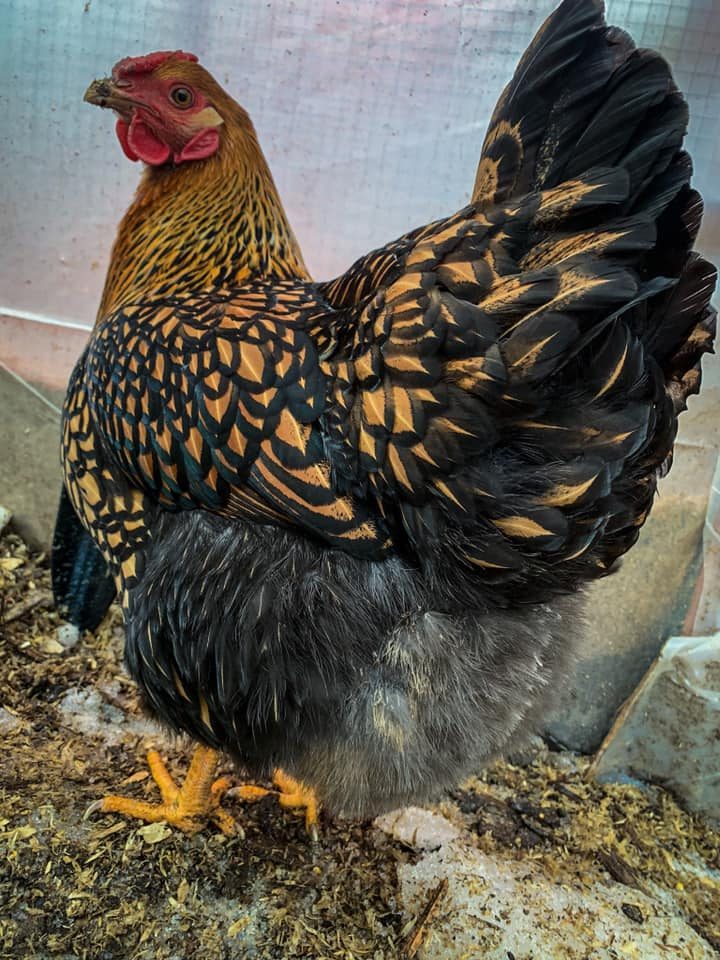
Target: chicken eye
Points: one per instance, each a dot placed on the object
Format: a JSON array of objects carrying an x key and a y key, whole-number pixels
[{"x": 181, "y": 96}]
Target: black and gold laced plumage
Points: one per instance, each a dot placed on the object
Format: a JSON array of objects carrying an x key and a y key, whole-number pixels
[
  {"x": 472, "y": 390},
  {"x": 484, "y": 404}
]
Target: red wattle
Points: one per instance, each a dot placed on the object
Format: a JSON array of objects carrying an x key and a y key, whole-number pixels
[
  {"x": 121, "y": 130},
  {"x": 202, "y": 145},
  {"x": 138, "y": 142},
  {"x": 145, "y": 145}
]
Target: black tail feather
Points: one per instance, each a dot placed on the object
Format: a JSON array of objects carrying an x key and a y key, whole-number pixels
[
  {"x": 82, "y": 585},
  {"x": 583, "y": 98}
]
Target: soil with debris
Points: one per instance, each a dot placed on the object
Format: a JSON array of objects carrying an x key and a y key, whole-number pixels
[{"x": 105, "y": 887}]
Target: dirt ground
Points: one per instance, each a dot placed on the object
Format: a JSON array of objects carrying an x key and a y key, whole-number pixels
[{"x": 103, "y": 887}]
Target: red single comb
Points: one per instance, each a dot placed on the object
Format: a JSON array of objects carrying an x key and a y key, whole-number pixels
[{"x": 148, "y": 63}]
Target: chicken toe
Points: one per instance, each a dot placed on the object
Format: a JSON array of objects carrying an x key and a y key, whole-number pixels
[
  {"x": 291, "y": 794},
  {"x": 188, "y": 807}
]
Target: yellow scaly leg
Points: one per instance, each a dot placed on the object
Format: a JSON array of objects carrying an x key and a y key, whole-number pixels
[
  {"x": 291, "y": 794},
  {"x": 188, "y": 807}
]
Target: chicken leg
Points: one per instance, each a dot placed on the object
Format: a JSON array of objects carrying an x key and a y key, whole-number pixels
[
  {"x": 197, "y": 801},
  {"x": 188, "y": 807},
  {"x": 291, "y": 794}
]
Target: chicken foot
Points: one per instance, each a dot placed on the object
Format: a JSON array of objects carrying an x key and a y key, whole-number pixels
[
  {"x": 188, "y": 807},
  {"x": 291, "y": 794}
]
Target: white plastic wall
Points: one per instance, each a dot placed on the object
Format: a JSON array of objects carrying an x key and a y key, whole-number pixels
[{"x": 371, "y": 113}]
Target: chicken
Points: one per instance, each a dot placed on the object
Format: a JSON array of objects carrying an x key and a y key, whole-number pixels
[{"x": 350, "y": 522}]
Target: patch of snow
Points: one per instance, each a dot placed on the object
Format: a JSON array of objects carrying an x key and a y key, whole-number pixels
[
  {"x": 5, "y": 518},
  {"x": 498, "y": 908},
  {"x": 86, "y": 711},
  {"x": 9, "y": 722},
  {"x": 67, "y": 635},
  {"x": 418, "y": 828}
]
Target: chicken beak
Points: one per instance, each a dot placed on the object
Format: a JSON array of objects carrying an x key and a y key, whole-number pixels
[{"x": 102, "y": 93}]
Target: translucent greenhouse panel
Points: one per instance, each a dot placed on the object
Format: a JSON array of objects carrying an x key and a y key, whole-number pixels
[{"x": 371, "y": 114}]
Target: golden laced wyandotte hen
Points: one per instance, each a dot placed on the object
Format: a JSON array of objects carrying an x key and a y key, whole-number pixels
[{"x": 350, "y": 522}]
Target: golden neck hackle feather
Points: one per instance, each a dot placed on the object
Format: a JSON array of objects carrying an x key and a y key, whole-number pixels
[{"x": 203, "y": 225}]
